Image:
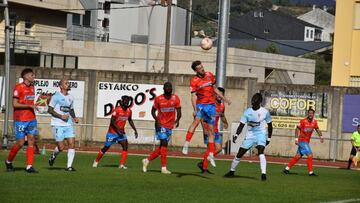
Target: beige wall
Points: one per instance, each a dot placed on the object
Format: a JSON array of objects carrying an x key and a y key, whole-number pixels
[{"x": 52, "y": 4}]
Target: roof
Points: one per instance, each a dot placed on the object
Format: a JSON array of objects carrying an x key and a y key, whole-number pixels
[
  {"x": 286, "y": 47},
  {"x": 319, "y": 17}
]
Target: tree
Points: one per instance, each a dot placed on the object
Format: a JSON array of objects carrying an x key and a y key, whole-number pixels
[{"x": 272, "y": 48}]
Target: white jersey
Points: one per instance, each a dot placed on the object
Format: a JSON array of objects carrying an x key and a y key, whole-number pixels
[
  {"x": 256, "y": 121},
  {"x": 62, "y": 105}
]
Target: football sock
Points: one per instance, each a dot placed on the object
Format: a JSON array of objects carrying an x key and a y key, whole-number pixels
[
  {"x": 70, "y": 156},
  {"x": 309, "y": 162},
  {"x": 189, "y": 135},
  {"x": 14, "y": 150},
  {"x": 163, "y": 156},
  {"x": 30, "y": 155},
  {"x": 99, "y": 156},
  {"x": 292, "y": 162},
  {"x": 262, "y": 163},
  {"x": 123, "y": 157},
  {"x": 205, "y": 161},
  {"x": 154, "y": 154},
  {"x": 234, "y": 163}
]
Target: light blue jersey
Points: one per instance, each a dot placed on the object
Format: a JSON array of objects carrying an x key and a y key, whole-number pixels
[
  {"x": 256, "y": 126},
  {"x": 62, "y": 105}
]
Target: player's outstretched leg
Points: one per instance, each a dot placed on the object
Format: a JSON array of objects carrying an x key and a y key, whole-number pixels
[
  {"x": 70, "y": 154},
  {"x": 292, "y": 162},
  {"x": 309, "y": 162},
  {"x": 236, "y": 162},
  {"x": 151, "y": 157},
  {"x": 13, "y": 152},
  {"x": 30, "y": 155},
  {"x": 262, "y": 162},
  {"x": 54, "y": 154},
  {"x": 100, "y": 155}
]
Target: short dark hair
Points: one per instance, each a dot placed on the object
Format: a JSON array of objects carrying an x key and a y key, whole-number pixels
[
  {"x": 26, "y": 71},
  {"x": 257, "y": 99},
  {"x": 167, "y": 84},
  {"x": 194, "y": 64},
  {"x": 221, "y": 90},
  {"x": 311, "y": 110}
]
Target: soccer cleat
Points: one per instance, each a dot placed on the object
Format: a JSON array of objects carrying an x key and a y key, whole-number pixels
[
  {"x": 312, "y": 174},
  {"x": 70, "y": 169},
  {"x": 123, "y": 167},
  {"x": 230, "y": 174},
  {"x": 31, "y": 170},
  {"x": 263, "y": 177},
  {"x": 51, "y": 160},
  {"x": 185, "y": 149},
  {"x": 9, "y": 167},
  {"x": 145, "y": 165},
  {"x": 165, "y": 171},
  {"x": 95, "y": 164},
  {"x": 286, "y": 172},
  {"x": 211, "y": 159},
  {"x": 200, "y": 166}
]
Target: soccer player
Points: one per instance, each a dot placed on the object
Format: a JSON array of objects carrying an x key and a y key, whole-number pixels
[
  {"x": 166, "y": 106},
  {"x": 203, "y": 92},
  {"x": 61, "y": 109},
  {"x": 256, "y": 118},
  {"x": 116, "y": 132},
  {"x": 220, "y": 113},
  {"x": 355, "y": 142},
  {"x": 303, "y": 133},
  {"x": 25, "y": 123}
]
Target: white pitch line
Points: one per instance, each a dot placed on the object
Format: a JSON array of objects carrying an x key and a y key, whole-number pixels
[{"x": 345, "y": 201}]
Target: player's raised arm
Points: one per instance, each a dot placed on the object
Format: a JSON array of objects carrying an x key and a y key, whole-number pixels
[{"x": 133, "y": 126}]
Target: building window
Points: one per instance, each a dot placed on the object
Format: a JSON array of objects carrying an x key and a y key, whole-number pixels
[
  {"x": 76, "y": 19},
  {"x": 355, "y": 81},
  {"x": 100, "y": 5},
  {"x": 357, "y": 15},
  {"x": 107, "y": 6},
  {"x": 256, "y": 14},
  {"x": 105, "y": 22},
  {"x": 261, "y": 14},
  {"x": 87, "y": 19},
  {"x": 312, "y": 34},
  {"x": 28, "y": 26},
  {"x": 266, "y": 30},
  {"x": 307, "y": 33}
]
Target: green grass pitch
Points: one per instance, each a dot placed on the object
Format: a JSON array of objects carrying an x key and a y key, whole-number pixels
[{"x": 107, "y": 183}]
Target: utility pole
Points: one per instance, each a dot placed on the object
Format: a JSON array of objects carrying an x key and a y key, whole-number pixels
[
  {"x": 168, "y": 34},
  {"x": 7, "y": 73},
  {"x": 222, "y": 44},
  {"x": 188, "y": 25}
]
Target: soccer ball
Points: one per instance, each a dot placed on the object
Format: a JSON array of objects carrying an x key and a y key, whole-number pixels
[{"x": 206, "y": 43}]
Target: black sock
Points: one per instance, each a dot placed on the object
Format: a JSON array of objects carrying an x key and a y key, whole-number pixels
[{"x": 349, "y": 163}]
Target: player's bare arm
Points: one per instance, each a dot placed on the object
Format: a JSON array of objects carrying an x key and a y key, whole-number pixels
[
  {"x": 238, "y": 132},
  {"x": 218, "y": 93},
  {"x": 153, "y": 114},
  {"x": 72, "y": 114},
  {"x": 224, "y": 120},
  {"x": 52, "y": 112},
  {"x": 16, "y": 104},
  {"x": 270, "y": 130},
  {"x": 297, "y": 131},
  {"x": 319, "y": 134},
  {"x": 133, "y": 126},
  {"x": 178, "y": 116},
  {"x": 193, "y": 102}
]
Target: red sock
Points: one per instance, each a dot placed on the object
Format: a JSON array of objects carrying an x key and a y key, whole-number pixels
[
  {"x": 99, "y": 156},
  {"x": 212, "y": 147},
  {"x": 14, "y": 150},
  {"x": 309, "y": 162},
  {"x": 154, "y": 154},
  {"x": 293, "y": 161},
  {"x": 205, "y": 161},
  {"x": 123, "y": 157},
  {"x": 189, "y": 136},
  {"x": 30, "y": 155},
  {"x": 216, "y": 153},
  {"x": 163, "y": 156}
]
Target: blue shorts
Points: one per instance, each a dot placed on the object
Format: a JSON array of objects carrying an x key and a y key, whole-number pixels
[
  {"x": 257, "y": 140},
  {"x": 23, "y": 128},
  {"x": 304, "y": 148},
  {"x": 163, "y": 134},
  {"x": 217, "y": 138},
  {"x": 63, "y": 132},
  {"x": 114, "y": 138},
  {"x": 207, "y": 112}
]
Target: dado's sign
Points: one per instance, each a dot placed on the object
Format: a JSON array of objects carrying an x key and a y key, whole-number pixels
[{"x": 288, "y": 107}]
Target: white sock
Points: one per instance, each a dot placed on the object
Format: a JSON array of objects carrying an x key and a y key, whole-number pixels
[
  {"x": 262, "y": 163},
  {"x": 234, "y": 163},
  {"x": 287, "y": 168},
  {"x": 28, "y": 166},
  {"x": 187, "y": 143},
  {"x": 70, "y": 156}
]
